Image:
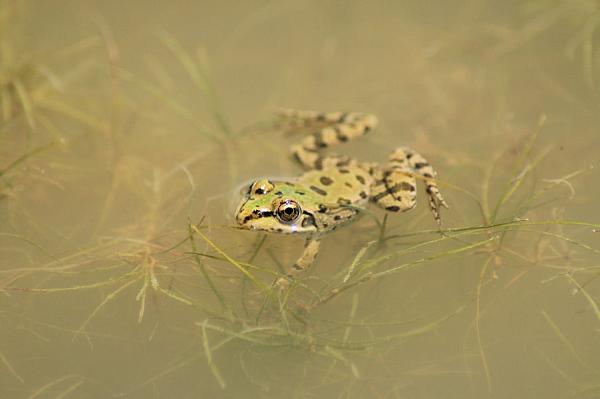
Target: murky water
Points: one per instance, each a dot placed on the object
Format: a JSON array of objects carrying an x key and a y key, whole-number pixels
[{"x": 126, "y": 129}]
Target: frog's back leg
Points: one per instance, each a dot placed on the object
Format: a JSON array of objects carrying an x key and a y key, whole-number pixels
[
  {"x": 330, "y": 128},
  {"x": 395, "y": 188}
]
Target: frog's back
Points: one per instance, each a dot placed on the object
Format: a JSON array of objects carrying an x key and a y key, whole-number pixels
[{"x": 349, "y": 185}]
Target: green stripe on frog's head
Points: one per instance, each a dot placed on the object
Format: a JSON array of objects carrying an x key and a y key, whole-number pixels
[{"x": 277, "y": 206}]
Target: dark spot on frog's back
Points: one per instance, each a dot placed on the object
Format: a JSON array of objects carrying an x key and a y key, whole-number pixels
[
  {"x": 300, "y": 193},
  {"x": 360, "y": 179},
  {"x": 318, "y": 190},
  {"x": 344, "y": 201},
  {"x": 279, "y": 193},
  {"x": 363, "y": 195},
  {"x": 326, "y": 181}
]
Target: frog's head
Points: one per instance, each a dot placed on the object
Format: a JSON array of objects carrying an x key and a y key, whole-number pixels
[{"x": 276, "y": 206}]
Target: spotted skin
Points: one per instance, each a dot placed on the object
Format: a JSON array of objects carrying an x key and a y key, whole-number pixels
[
  {"x": 405, "y": 163},
  {"x": 335, "y": 187},
  {"x": 330, "y": 128}
]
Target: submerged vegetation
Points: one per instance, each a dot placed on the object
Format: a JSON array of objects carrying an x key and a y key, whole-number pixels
[{"x": 135, "y": 233}]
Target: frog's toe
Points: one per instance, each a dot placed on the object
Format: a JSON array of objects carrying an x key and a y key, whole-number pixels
[{"x": 282, "y": 283}]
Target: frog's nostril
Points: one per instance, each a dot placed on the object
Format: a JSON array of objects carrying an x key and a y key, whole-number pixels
[{"x": 243, "y": 217}]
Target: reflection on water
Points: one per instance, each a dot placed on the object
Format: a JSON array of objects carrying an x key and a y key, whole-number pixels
[{"x": 125, "y": 129}]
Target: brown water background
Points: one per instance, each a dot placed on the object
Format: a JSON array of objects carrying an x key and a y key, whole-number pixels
[{"x": 126, "y": 128}]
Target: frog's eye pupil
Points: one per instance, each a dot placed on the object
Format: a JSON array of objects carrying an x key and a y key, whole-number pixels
[
  {"x": 259, "y": 191},
  {"x": 288, "y": 211}
]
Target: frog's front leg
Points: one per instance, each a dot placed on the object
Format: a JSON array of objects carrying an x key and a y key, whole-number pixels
[{"x": 304, "y": 262}]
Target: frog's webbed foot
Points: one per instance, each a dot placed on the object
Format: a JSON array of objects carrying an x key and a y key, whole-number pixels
[
  {"x": 304, "y": 262},
  {"x": 329, "y": 128},
  {"x": 395, "y": 189}
]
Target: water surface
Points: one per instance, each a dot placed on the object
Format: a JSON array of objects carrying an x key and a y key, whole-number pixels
[{"x": 126, "y": 129}]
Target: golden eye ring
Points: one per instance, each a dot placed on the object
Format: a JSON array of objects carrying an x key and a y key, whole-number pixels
[{"x": 288, "y": 211}]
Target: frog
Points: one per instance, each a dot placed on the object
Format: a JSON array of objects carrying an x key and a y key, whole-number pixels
[{"x": 334, "y": 189}]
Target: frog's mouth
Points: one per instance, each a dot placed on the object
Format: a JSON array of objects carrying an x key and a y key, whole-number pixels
[
  {"x": 244, "y": 218},
  {"x": 266, "y": 220}
]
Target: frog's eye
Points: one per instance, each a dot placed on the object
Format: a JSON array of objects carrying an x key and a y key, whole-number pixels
[
  {"x": 288, "y": 211},
  {"x": 261, "y": 187}
]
